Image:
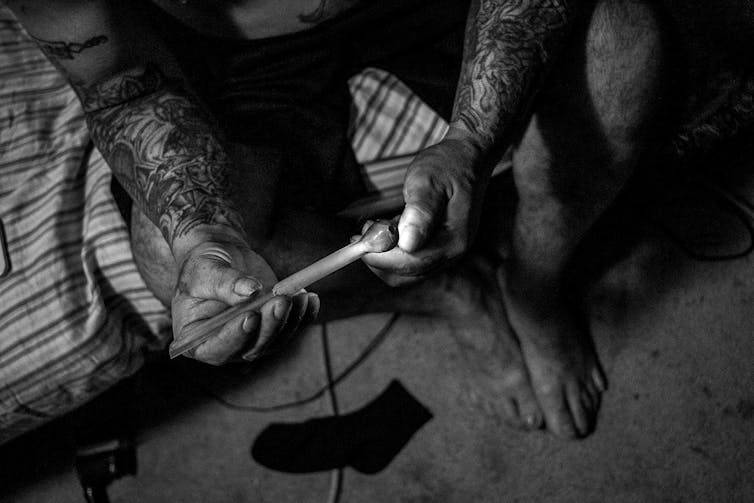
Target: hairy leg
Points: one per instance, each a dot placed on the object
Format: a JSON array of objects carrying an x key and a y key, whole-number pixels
[{"x": 590, "y": 125}]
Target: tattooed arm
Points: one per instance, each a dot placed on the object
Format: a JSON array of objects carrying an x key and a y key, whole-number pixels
[
  {"x": 508, "y": 47},
  {"x": 167, "y": 153}
]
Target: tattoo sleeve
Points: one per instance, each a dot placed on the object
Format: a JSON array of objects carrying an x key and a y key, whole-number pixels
[
  {"x": 508, "y": 46},
  {"x": 163, "y": 148},
  {"x": 68, "y": 50},
  {"x": 326, "y": 9}
]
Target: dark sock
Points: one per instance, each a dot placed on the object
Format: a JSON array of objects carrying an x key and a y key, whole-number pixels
[{"x": 366, "y": 439}]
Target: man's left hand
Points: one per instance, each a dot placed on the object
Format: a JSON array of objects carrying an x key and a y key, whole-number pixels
[{"x": 443, "y": 190}]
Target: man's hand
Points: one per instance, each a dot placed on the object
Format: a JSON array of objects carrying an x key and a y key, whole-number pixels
[
  {"x": 443, "y": 190},
  {"x": 214, "y": 275}
]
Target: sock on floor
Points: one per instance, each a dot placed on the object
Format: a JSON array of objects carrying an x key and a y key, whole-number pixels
[{"x": 366, "y": 439}]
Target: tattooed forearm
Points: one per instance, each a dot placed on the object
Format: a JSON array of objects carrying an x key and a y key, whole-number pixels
[
  {"x": 164, "y": 149},
  {"x": 326, "y": 9},
  {"x": 508, "y": 46},
  {"x": 68, "y": 50},
  {"x": 122, "y": 88}
]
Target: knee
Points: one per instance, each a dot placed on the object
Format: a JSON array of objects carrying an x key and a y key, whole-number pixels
[
  {"x": 625, "y": 61},
  {"x": 600, "y": 106}
]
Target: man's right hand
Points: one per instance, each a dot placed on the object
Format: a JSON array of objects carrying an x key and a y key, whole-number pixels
[{"x": 217, "y": 274}]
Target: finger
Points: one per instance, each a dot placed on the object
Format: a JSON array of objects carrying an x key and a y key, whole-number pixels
[
  {"x": 314, "y": 306},
  {"x": 296, "y": 315},
  {"x": 251, "y": 323},
  {"x": 424, "y": 207},
  {"x": 214, "y": 279},
  {"x": 220, "y": 348},
  {"x": 400, "y": 262},
  {"x": 273, "y": 317},
  {"x": 394, "y": 280},
  {"x": 366, "y": 226}
]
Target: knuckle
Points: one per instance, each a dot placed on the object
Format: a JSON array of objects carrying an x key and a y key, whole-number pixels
[
  {"x": 419, "y": 182},
  {"x": 459, "y": 246},
  {"x": 514, "y": 379},
  {"x": 214, "y": 361},
  {"x": 549, "y": 389}
]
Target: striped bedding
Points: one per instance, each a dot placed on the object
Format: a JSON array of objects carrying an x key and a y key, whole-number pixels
[{"x": 75, "y": 315}]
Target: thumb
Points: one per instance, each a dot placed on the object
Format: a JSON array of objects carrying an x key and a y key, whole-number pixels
[
  {"x": 424, "y": 207},
  {"x": 212, "y": 276}
]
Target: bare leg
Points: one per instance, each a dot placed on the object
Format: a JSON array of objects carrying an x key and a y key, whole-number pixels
[{"x": 580, "y": 147}]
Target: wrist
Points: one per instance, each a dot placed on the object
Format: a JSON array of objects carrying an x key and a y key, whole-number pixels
[
  {"x": 477, "y": 144},
  {"x": 476, "y": 149},
  {"x": 183, "y": 245}
]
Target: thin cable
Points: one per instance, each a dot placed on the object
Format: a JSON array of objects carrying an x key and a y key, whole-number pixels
[
  {"x": 368, "y": 350},
  {"x": 336, "y": 476}
]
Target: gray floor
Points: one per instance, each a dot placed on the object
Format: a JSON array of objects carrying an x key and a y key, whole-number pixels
[{"x": 677, "y": 424}]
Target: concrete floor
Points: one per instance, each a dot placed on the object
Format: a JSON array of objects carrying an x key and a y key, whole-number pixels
[{"x": 677, "y": 424}]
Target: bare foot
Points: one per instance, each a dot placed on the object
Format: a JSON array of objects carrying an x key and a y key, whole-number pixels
[
  {"x": 563, "y": 367},
  {"x": 469, "y": 296}
]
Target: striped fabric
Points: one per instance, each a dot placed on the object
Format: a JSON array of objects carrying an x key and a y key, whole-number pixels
[
  {"x": 75, "y": 315},
  {"x": 390, "y": 125},
  {"x": 390, "y": 120}
]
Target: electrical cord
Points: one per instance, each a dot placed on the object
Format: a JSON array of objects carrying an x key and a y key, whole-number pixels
[
  {"x": 373, "y": 344},
  {"x": 336, "y": 476}
]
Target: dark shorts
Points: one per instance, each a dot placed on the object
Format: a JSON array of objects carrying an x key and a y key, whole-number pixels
[{"x": 290, "y": 92}]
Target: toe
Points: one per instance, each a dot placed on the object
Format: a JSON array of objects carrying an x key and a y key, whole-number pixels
[
  {"x": 599, "y": 378},
  {"x": 510, "y": 410},
  {"x": 581, "y": 415},
  {"x": 556, "y": 411},
  {"x": 528, "y": 409},
  {"x": 525, "y": 409},
  {"x": 595, "y": 395}
]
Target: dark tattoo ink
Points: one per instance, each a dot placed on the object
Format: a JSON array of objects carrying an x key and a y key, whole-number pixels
[
  {"x": 507, "y": 49},
  {"x": 733, "y": 115},
  {"x": 327, "y": 9},
  {"x": 164, "y": 149},
  {"x": 121, "y": 88},
  {"x": 68, "y": 50}
]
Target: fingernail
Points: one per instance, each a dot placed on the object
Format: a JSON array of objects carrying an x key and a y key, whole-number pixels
[
  {"x": 281, "y": 310},
  {"x": 251, "y": 355},
  {"x": 246, "y": 286},
  {"x": 314, "y": 300},
  {"x": 408, "y": 239},
  {"x": 366, "y": 226},
  {"x": 530, "y": 421},
  {"x": 249, "y": 324}
]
